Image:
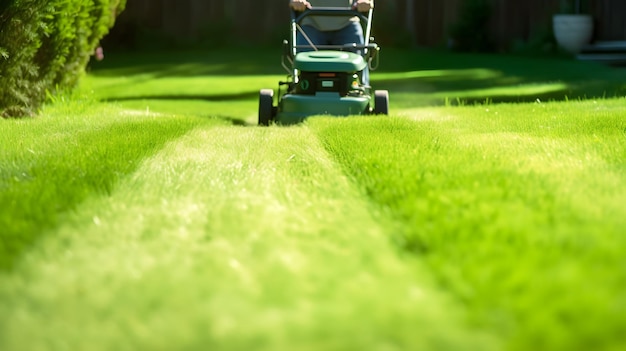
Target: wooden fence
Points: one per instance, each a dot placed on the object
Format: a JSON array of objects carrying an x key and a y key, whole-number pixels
[
  {"x": 420, "y": 22},
  {"x": 610, "y": 18}
]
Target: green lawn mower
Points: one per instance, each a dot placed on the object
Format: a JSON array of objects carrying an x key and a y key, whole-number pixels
[{"x": 324, "y": 79}]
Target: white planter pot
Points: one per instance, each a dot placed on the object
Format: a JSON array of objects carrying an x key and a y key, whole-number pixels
[{"x": 572, "y": 32}]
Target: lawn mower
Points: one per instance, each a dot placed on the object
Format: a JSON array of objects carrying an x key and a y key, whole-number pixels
[{"x": 324, "y": 79}]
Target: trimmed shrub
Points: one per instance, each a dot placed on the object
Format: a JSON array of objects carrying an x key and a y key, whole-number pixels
[{"x": 45, "y": 46}]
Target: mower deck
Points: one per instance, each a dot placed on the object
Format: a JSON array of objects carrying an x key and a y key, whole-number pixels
[
  {"x": 328, "y": 80},
  {"x": 295, "y": 108}
]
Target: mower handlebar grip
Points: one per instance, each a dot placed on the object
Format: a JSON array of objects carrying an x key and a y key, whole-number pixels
[{"x": 297, "y": 17}]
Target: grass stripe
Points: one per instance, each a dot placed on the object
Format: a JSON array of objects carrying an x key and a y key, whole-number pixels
[
  {"x": 229, "y": 238},
  {"x": 51, "y": 164},
  {"x": 238, "y": 238},
  {"x": 521, "y": 218}
]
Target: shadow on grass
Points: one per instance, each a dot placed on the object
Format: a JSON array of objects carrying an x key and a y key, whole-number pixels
[
  {"x": 203, "y": 106},
  {"x": 443, "y": 77},
  {"x": 444, "y": 90},
  {"x": 181, "y": 97},
  {"x": 414, "y": 78},
  {"x": 239, "y": 122},
  {"x": 235, "y": 62}
]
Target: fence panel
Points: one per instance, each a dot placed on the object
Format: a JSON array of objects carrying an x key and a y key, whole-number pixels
[
  {"x": 423, "y": 22},
  {"x": 610, "y": 16}
]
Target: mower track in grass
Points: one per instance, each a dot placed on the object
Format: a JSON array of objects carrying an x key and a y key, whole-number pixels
[
  {"x": 507, "y": 218},
  {"x": 48, "y": 166},
  {"x": 520, "y": 218},
  {"x": 232, "y": 238}
]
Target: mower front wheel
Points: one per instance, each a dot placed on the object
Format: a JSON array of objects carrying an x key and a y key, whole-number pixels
[
  {"x": 381, "y": 102},
  {"x": 266, "y": 107}
]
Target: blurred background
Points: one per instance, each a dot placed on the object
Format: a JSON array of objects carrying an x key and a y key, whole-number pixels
[{"x": 465, "y": 25}]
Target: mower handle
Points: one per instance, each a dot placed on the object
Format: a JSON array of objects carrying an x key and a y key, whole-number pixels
[
  {"x": 345, "y": 47},
  {"x": 369, "y": 50},
  {"x": 297, "y": 17}
]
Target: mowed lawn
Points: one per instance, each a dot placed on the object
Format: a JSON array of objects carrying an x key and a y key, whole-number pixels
[{"x": 147, "y": 211}]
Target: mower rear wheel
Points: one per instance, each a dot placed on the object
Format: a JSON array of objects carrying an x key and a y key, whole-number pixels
[
  {"x": 266, "y": 108},
  {"x": 381, "y": 102}
]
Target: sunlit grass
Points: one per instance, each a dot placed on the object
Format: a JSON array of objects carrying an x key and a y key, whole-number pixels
[
  {"x": 154, "y": 220},
  {"x": 415, "y": 78},
  {"x": 239, "y": 112},
  {"x": 51, "y": 164},
  {"x": 518, "y": 209},
  {"x": 427, "y": 78},
  {"x": 442, "y": 74},
  {"x": 171, "y": 88},
  {"x": 233, "y": 238},
  {"x": 522, "y": 91}
]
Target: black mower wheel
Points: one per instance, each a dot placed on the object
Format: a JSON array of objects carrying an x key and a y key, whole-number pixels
[
  {"x": 266, "y": 108},
  {"x": 381, "y": 102}
]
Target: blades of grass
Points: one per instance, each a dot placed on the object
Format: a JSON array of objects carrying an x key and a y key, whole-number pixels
[
  {"x": 235, "y": 239},
  {"x": 49, "y": 165},
  {"x": 518, "y": 209}
]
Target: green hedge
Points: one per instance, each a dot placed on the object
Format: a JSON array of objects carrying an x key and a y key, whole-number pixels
[{"x": 45, "y": 46}]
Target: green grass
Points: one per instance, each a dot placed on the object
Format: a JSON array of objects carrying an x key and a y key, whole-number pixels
[
  {"x": 149, "y": 212},
  {"x": 227, "y": 238},
  {"x": 518, "y": 210},
  {"x": 228, "y": 82},
  {"x": 50, "y": 165},
  {"x": 432, "y": 78}
]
